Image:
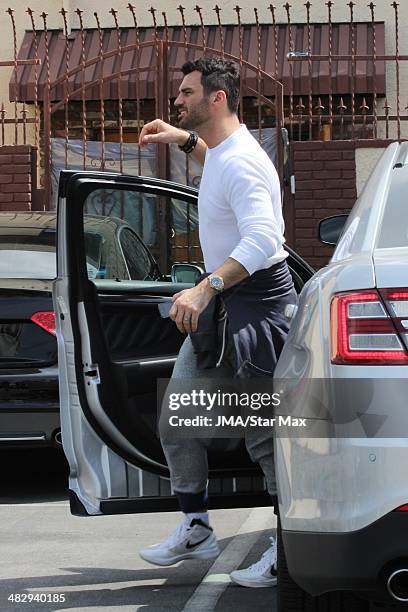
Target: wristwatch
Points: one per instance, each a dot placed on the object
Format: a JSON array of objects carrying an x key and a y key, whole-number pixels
[{"x": 216, "y": 282}]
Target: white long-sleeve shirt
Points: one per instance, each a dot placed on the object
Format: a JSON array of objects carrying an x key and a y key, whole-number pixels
[{"x": 239, "y": 205}]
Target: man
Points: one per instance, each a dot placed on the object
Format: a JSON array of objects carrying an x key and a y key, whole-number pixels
[{"x": 241, "y": 236}]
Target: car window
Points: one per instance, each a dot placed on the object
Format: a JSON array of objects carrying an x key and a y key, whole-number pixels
[
  {"x": 136, "y": 209},
  {"x": 159, "y": 225},
  {"x": 137, "y": 259},
  {"x": 104, "y": 255},
  {"x": 27, "y": 252}
]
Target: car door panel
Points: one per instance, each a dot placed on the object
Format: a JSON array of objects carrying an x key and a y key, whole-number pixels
[{"x": 134, "y": 328}]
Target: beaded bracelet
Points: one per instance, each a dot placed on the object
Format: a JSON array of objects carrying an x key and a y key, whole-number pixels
[{"x": 189, "y": 146}]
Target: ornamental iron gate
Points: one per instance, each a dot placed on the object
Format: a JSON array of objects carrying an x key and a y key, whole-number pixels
[{"x": 89, "y": 88}]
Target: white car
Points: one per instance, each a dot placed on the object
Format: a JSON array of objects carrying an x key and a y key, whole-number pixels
[{"x": 342, "y": 484}]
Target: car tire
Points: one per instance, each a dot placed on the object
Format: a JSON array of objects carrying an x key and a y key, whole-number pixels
[{"x": 291, "y": 598}]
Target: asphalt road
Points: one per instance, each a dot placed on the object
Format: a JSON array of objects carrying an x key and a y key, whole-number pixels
[{"x": 93, "y": 562}]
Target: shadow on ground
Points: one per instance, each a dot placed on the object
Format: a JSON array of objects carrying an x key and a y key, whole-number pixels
[{"x": 32, "y": 475}]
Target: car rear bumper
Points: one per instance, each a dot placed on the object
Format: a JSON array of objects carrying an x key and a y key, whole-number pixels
[
  {"x": 30, "y": 427},
  {"x": 359, "y": 560},
  {"x": 43, "y": 375},
  {"x": 29, "y": 408}
]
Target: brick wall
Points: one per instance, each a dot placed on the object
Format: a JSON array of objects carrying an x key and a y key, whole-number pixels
[
  {"x": 325, "y": 185},
  {"x": 17, "y": 177}
]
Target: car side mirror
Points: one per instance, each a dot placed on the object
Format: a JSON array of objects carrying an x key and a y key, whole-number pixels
[
  {"x": 331, "y": 228},
  {"x": 185, "y": 273}
]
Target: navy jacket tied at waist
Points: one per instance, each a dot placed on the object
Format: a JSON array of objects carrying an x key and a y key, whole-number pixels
[{"x": 257, "y": 323}]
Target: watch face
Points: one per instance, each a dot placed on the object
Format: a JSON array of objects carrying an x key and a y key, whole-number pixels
[{"x": 217, "y": 283}]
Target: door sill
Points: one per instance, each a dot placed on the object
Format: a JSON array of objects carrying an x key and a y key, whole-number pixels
[
  {"x": 217, "y": 501},
  {"x": 170, "y": 503}
]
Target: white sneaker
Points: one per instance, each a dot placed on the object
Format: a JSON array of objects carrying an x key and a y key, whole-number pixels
[
  {"x": 194, "y": 540},
  {"x": 260, "y": 574}
]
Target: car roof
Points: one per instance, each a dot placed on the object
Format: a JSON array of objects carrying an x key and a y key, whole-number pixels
[
  {"x": 48, "y": 220},
  {"x": 28, "y": 219}
]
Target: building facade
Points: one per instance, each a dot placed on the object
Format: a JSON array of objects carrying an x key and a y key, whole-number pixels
[{"x": 340, "y": 100}]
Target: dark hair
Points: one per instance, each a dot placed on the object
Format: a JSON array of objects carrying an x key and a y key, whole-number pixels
[{"x": 217, "y": 73}]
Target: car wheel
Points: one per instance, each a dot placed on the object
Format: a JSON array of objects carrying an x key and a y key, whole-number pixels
[{"x": 291, "y": 598}]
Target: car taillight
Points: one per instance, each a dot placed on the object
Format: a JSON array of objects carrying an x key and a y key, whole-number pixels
[
  {"x": 403, "y": 508},
  {"x": 46, "y": 320},
  {"x": 370, "y": 327}
]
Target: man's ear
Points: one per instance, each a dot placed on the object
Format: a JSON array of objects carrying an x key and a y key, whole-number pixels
[{"x": 219, "y": 96}]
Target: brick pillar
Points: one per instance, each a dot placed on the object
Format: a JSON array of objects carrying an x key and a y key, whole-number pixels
[
  {"x": 17, "y": 177},
  {"x": 325, "y": 185}
]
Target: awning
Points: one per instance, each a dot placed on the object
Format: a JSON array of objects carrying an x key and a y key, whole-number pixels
[{"x": 366, "y": 78}]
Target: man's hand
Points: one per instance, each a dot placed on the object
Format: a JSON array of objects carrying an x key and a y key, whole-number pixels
[
  {"x": 159, "y": 132},
  {"x": 189, "y": 304}
]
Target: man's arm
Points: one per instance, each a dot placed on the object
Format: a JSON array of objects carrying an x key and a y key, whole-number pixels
[
  {"x": 190, "y": 303},
  {"x": 231, "y": 271},
  {"x": 253, "y": 191},
  {"x": 159, "y": 132}
]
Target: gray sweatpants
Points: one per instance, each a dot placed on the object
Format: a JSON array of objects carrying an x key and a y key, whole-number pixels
[{"x": 187, "y": 458}]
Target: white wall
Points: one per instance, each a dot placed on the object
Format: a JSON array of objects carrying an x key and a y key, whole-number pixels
[{"x": 366, "y": 160}]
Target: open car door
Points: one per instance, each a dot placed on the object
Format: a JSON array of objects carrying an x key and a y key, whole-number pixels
[{"x": 113, "y": 345}]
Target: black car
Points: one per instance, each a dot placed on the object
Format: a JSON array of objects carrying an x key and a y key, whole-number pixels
[{"x": 29, "y": 405}]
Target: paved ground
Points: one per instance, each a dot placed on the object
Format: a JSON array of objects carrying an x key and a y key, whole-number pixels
[{"x": 94, "y": 561}]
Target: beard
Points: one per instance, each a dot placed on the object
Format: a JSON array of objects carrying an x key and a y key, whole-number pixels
[{"x": 196, "y": 116}]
